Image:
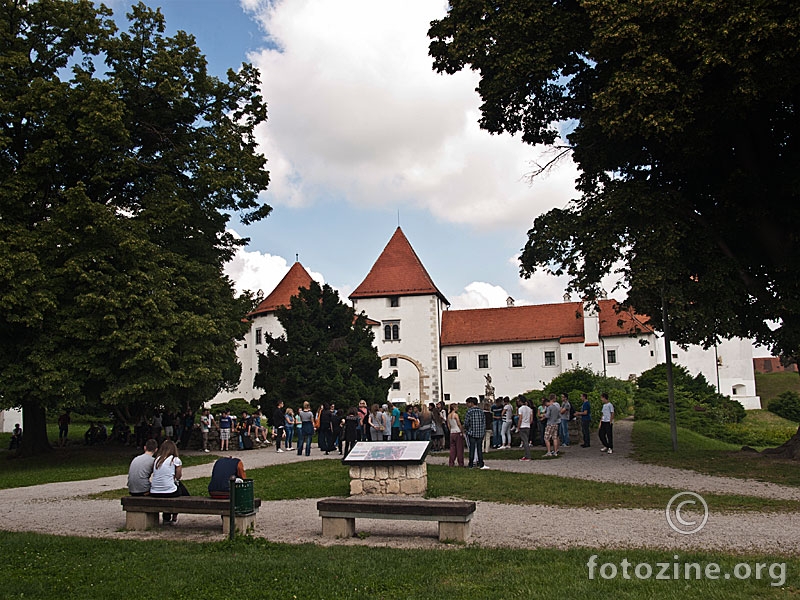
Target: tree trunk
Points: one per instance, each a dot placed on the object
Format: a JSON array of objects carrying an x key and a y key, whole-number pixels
[
  {"x": 34, "y": 430},
  {"x": 790, "y": 449}
]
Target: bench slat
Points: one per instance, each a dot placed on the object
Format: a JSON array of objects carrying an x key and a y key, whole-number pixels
[
  {"x": 198, "y": 505},
  {"x": 377, "y": 507}
]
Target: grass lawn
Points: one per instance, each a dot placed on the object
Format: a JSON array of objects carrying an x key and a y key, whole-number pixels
[
  {"x": 317, "y": 479},
  {"x": 653, "y": 444},
  {"x": 769, "y": 385},
  {"x": 73, "y": 463},
  {"x": 39, "y": 566}
]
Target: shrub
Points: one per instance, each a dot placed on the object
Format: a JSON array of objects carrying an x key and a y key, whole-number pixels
[
  {"x": 786, "y": 405},
  {"x": 698, "y": 406},
  {"x": 582, "y": 380}
]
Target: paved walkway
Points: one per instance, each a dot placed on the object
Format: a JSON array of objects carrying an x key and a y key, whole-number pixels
[{"x": 63, "y": 508}]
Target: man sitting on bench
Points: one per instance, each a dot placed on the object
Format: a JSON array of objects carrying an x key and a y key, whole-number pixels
[{"x": 224, "y": 469}]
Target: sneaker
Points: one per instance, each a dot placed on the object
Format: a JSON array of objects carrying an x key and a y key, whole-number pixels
[
  {"x": 206, "y": 450},
  {"x": 524, "y": 459},
  {"x": 548, "y": 455},
  {"x": 555, "y": 453},
  {"x": 279, "y": 450},
  {"x": 610, "y": 451},
  {"x": 603, "y": 449},
  {"x": 484, "y": 468},
  {"x": 584, "y": 445}
]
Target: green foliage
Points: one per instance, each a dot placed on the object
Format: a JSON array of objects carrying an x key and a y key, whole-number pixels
[
  {"x": 235, "y": 405},
  {"x": 681, "y": 118},
  {"x": 326, "y": 354},
  {"x": 581, "y": 380},
  {"x": 698, "y": 405},
  {"x": 121, "y": 160},
  {"x": 787, "y": 405},
  {"x": 770, "y": 385}
]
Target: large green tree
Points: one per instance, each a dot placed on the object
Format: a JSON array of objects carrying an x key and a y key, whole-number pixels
[
  {"x": 683, "y": 120},
  {"x": 324, "y": 355},
  {"x": 121, "y": 160}
]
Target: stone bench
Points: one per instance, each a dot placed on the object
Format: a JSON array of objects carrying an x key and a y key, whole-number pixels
[
  {"x": 339, "y": 514},
  {"x": 142, "y": 512}
]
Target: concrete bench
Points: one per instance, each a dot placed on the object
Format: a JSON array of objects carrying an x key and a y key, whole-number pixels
[
  {"x": 339, "y": 514},
  {"x": 142, "y": 512}
]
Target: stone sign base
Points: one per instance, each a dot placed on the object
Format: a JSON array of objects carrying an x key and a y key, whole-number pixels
[{"x": 410, "y": 480}]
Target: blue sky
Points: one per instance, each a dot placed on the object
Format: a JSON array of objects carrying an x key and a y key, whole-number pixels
[{"x": 363, "y": 134}]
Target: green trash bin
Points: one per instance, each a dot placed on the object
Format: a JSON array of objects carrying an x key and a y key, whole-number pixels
[{"x": 243, "y": 503}]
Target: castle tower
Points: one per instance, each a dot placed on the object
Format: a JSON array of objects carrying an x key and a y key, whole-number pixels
[{"x": 400, "y": 295}]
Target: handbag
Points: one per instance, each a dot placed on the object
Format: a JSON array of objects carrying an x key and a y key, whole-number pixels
[{"x": 182, "y": 491}]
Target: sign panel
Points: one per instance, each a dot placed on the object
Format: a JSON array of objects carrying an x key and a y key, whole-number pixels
[{"x": 387, "y": 452}]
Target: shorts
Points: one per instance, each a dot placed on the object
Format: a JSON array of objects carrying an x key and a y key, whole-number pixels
[
  {"x": 551, "y": 432},
  {"x": 224, "y": 435},
  {"x": 168, "y": 430}
]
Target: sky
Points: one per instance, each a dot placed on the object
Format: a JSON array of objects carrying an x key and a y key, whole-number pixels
[{"x": 364, "y": 136}]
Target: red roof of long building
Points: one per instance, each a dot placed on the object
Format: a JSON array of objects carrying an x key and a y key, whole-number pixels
[
  {"x": 297, "y": 277},
  {"x": 562, "y": 322},
  {"x": 397, "y": 272}
]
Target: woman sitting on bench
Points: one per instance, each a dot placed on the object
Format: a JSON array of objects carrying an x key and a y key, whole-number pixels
[{"x": 167, "y": 472}]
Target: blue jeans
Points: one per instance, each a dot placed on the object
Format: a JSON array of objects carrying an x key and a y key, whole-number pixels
[
  {"x": 423, "y": 435},
  {"x": 289, "y": 436},
  {"x": 475, "y": 448},
  {"x": 305, "y": 438},
  {"x": 409, "y": 435},
  {"x": 563, "y": 431},
  {"x": 497, "y": 438}
]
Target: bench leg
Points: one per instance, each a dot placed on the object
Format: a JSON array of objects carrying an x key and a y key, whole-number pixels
[
  {"x": 454, "y": 532},
  {"x": 338, "y": 528},
  {"x": 243, "y": 523},
  {"x": 139, "y": 521}
]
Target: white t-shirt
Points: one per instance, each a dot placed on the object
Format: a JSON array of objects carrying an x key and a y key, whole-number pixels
[
  {"x": 508, "y": 413},
  {"x": 163, "y": 480},
  {"x": 608, "y": 410},
  {"x": 525, "y": 413}
]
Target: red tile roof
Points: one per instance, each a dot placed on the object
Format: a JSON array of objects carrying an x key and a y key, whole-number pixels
[
  {"x": 562, "y": 322},
  {"x": 397, "y": 272},
  {"x": 297, "y": 277}
]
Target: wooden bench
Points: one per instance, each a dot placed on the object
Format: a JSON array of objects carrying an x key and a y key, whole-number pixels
[
  {"x": 339, "y": 514},
  {"x": 142, "y": 512}
]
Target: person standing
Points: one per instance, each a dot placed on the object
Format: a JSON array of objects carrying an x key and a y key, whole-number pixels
[
  {"x": 306, "y": 429},
  {"x": 375, "y": 421},
  {"x": 497, "y": 423},
  {"x": 553, "y": 416},
  {"x": 525, "y": 413},
  {"x": 585, "y": 413},
  {"x": 456, "y": 437},
  {"x": 289, "y": 426},
  {"x": 225, "y": 426},
  {"x": 395, "y": 421},
  {"x": 387, "y": 422},
  {"x": 563, "y": 427},
  {"x": 337, "y": 422},
  {"x": 279, "y": 425},
  {"x": 141, "y": 469},
  {"x": 475, "y": 427},
  {"x": 63, "y": 427},
  {"x": 325, "y": 434},
  {"x": 507, "y": 417},
  {"x": 206, "y": 423},
  {"x": 188, "y": 427},
  {"x": 606, "y": 432},
  {"x": 351, "y": 434},
  {"x": 541, "y": 419}
]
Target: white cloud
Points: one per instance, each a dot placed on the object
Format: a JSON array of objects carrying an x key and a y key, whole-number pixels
[
  {"x": 357, "y": 112},
  {"x": 256, "y": 271},
  {"x": 480, "y": 295}
]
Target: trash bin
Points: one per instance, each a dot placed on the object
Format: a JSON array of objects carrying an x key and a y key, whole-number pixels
[{"x": 243, "y": 504}]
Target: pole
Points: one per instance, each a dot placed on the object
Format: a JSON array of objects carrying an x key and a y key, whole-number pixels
[
  {"x": 673, "y": 424},
  {"x": 232, "y": 514}
]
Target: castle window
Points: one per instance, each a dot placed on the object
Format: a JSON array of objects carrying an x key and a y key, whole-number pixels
[
  {"x": 612, "y": 357},
  {"x": 452, "y": 363},
  {"x": 483, "y": 361},
  {"x": 259, "y": 338},
  {"x": 394, "y": 301},
  {"x": 569, "y": 355},
  {"x": 392, "y": 362},
  {"x": 549, "y": 358},
  {"x": 516, "y": 359},
  {"x": 395, "y": 385},
  {"x": 391, "y": 331}
]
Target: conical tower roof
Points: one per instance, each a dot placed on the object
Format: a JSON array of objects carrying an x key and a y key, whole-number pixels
[
  {"x": 397, "y": 272},
  {"x": 297, "y": 277}
]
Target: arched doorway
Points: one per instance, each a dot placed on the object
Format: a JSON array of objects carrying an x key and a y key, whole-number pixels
[{"x": 407, "y": 378}]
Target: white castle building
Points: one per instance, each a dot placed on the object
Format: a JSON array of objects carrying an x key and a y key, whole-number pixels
[{"x": 440, "y": 354}]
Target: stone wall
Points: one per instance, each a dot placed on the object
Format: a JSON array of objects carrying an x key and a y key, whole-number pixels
[{"x": 411, "y": 480}]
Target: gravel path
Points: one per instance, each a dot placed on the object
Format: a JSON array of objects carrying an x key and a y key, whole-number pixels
[{"x": 62, "y": 508}]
